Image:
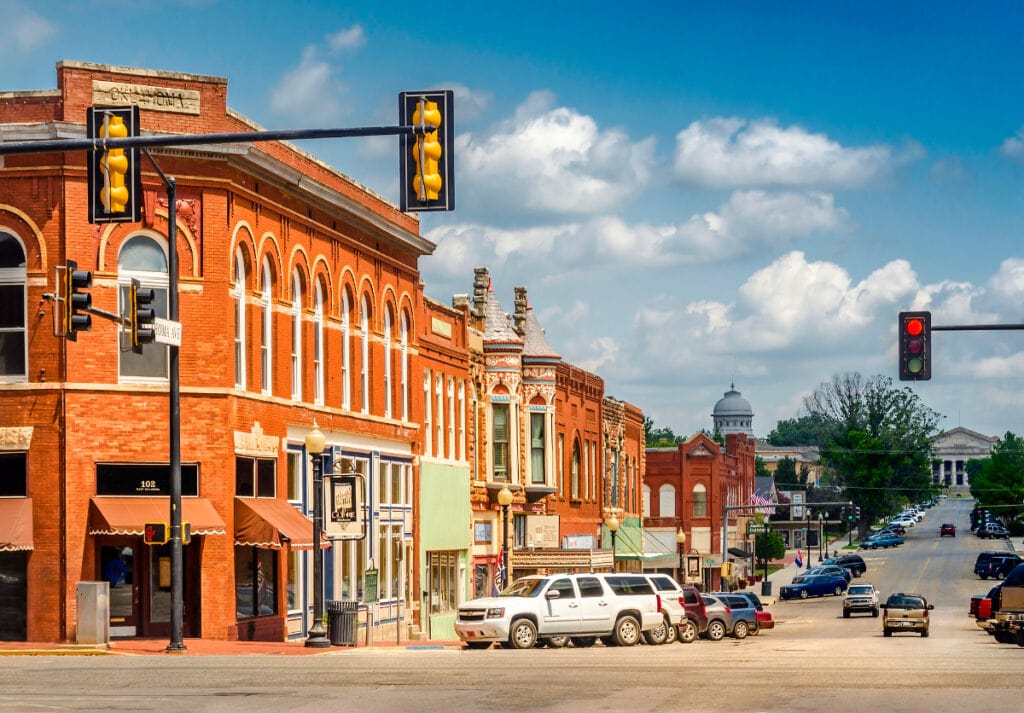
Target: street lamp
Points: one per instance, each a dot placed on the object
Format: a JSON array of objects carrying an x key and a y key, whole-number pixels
[
  {"x": 613, "y": 527},
  {"x": 505, "y": 499},
  {"x": 315, "y": 443},
  {"x": 807, "y": 538},
  {"x": 681, "y": 541},
  {"x": 821, "y": 532}
]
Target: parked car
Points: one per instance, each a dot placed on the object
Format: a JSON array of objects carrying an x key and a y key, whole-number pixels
[
  {"x": 905, "y": 612},
  {"x": 894, "y": 529},
  {"x": 831, "y": 569},
  {"x": 813, "y": 585},
  {"x": 719, "y": 618},
  {"x": 685, "y": 616},
  {"x": 992, "y": 530},
  {"x": 860, "y": 597},
  {"x": 981, "y": 606},
  {"x": 616, "y": 607},
  {"x": 744, "y": 614},
  {"x": 998, "y": 566},
  {"x": 853, "y": 562},
  {"x": 881, "y": 539},
  {"x": 981, "y": 563},
  {"x": 947, "y": 528}
]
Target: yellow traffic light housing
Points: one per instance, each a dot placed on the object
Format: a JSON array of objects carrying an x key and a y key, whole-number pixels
[
  {"x": 156, "y": 533},
  {"x": 141, "y": 315},
  {"x": 115, "y": 181},
  {"x": 76, "y": 302},
  {"x": 727, "y": 570},
  {"x": 427, "y": 163}
]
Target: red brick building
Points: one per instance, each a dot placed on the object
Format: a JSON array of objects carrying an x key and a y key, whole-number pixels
[
  {"x": 687, "y": 487},
  {"x": 300, "y": 301}
]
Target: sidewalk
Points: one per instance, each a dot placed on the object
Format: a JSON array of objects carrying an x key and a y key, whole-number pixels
[{"x": 204, "y": 647}]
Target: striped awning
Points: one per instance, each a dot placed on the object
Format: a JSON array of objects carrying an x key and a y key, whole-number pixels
[
  {"x": 129, "y": 515},
  {"x": 15, "y": 524}
]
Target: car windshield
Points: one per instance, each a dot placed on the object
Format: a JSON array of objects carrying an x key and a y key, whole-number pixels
[
  {"x": 860, "y": 589},
  {"x": 523, "y": 588}
]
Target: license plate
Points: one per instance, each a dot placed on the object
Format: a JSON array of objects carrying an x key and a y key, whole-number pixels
[{"x": 906, "y": 623}]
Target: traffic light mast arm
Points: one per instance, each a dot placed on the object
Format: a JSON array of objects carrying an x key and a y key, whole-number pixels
[{"x": 98, "y": 144}]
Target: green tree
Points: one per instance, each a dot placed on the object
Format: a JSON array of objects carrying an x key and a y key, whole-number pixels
[
  {"x": 877, "y": 442},
  {"x": 800, "y": 431},
  {"x": 658, "y": 437},
  {"x": 768, "y": 546},
  {"x": 999, "y": 479},
  {"x": 785, "y": 473},
  {"x": 760, "y": 469}
]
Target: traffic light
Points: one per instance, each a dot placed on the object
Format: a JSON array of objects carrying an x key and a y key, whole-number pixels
[
  {"x": 141, "y": 316},
  {"x": 115, "y": 181},
  {"x": 76, "y": 303},
  {"x": 915, "y": 335},
  {"x": 186, "y": 533},
  {"x": 727, "y": 569},
  {"x": 856, "y": 514},
  {"x": 848, "y": 511},
  {"x": 156, "y": 533},
  {"x": 426, "y": 161}
]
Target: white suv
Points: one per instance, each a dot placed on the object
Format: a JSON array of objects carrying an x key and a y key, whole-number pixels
[{"x": 556, "y": 608}]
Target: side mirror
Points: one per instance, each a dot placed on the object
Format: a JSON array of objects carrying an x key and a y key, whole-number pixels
[
  {"x": 552, "y": 594},
  {"x": 931, "y": 606}
]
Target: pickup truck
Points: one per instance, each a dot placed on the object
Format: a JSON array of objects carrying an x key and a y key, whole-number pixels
[
  {"x": 617, "y": 608},
  {"x": 1007, "y": 622}
]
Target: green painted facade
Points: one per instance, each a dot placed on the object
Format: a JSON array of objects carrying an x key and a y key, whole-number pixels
[{"x": 445, "y": 525}]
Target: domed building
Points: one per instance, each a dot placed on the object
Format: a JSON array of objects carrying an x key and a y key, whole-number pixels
[{"x": 733, "y": 414}]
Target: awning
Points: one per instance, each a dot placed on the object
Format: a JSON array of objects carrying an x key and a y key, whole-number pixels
[
  {"x": 15, "y": 524},
  {"x": 742, "y": 554},
  {"x": 129, "y": 515},
  {"x": 272, "y": 522}
]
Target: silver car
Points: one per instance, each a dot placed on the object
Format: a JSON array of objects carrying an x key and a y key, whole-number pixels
[
  {"x": 720, "y": 622},
  {"x": 860, "y": 597}
]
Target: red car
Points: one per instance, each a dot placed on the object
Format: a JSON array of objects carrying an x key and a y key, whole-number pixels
[
  {"x": 947, "y": 528},
  {"x": 764, "y": 620}
]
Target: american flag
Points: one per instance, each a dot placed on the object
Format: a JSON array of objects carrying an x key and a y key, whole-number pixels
[{"x": 762, "y": 500}]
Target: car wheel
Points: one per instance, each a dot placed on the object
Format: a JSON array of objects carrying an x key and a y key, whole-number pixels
[
  {"x": 658, "y": 635},
  {"x": 886, "y": 632},
  {"x": 1019, "y": 637},
  {"x": 754, "y": 629},
  {"x": 627, "y": 631},
  {"x": 924, "y": 633},
  {"x": 1002, "y": 637},
  {"x": 874, "y": 612},
  {"x": 687, "y": 632},
  {"x": 983, "y": 576},
  {"x": 672, "y": 634},
  {"x": 740, "y": 630},
  {"x": 583, "y": 642},
  {"x": 523, "y": 634},
  {"x": 716, "y": 630},
  {"x": 838, "y": 590},
  {"x": 478, "y": 645},
  {"x": 846, "y": 613},
  {"x": 803, "y": 594},
  {"x": 557, "y": 642},
  {"x": 608, "y": 641}
]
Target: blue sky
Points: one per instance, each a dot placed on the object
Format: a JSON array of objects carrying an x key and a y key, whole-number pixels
[{"x": 694, "y": 194}]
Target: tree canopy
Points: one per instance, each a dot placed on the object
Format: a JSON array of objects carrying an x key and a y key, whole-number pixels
[
  {"x": 876, "y": 441},
  {"x": 999, "y": 479},
  {"x": 800, "y": 431}
]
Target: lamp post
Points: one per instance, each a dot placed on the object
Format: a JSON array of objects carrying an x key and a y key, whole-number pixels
[
  {"x": 821, "y": 532},
  {"x": 613, "y": 527},
  {"x": 315, "y": 442},
  {"x": 505, "y": 499},
  {"x": 807, "y": 538},
  {"x": 681, "y": 541}
]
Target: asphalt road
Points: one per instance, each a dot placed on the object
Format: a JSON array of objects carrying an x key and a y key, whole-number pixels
[{"x": 814, "y": 660}]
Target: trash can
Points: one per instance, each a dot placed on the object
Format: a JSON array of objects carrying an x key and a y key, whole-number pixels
[
  {"x": 341, "y": 622},
  {"x": 766, "y": 588}
]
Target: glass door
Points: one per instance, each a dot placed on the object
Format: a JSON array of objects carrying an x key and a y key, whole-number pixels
[{"x": 117, "y": 565}]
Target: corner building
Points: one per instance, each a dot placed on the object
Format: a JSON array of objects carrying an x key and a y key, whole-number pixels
[{"x": 300, "y": 302}]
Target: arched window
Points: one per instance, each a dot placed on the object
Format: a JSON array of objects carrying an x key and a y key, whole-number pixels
[
  {"x": 404, "y": 375},
  {"x": 13, "y": 315},
  {"x": 346, "y": 354},
  {"x": 574, "y": 471},
  {"x": 700, "y": 500},
  {"x": 451, "y": 418},
  {"x": 500, "y": 441},
  {"x": 266, "y": 329},
  {"x": 462, "y": 420},
  {"x": 364, "y": 347},
  {"x": 646, "y": 512},
  {"x": 439, "y": 415},
  {"x": 667, "y": 501},
  {"x": 238, "y": 295},
  {"x": 428, "y": 441},
  {"x": 318, "y": 344},
  {"x": 144, "y": 259},
  {"x": 296, "y": 336},
  {"x": 387, "y": 362}
]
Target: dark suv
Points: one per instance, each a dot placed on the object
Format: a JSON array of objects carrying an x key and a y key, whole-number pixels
[
  {"x": 981, "y": 564},
  {"x": 854, "y": 563},
  {"x": 998, "y": 566}
]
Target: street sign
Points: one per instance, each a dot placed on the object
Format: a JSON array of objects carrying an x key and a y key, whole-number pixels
[
  {"x": 370, "y": 585},
  {"x": 167, "y": 331},
  {"x": 757, "y": 528}
]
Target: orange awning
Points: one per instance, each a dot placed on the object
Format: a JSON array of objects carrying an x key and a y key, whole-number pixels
[
  {"x": 272, "y": 522},
  {"x": 15, "y": 524},
  {"x": 129, "y": 515}
]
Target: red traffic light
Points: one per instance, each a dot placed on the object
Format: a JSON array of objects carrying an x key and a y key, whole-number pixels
[
  {"x": 914, "y": 326},
  {"x": 156, "y": 533},
  {"x": 915, "y": 361}
]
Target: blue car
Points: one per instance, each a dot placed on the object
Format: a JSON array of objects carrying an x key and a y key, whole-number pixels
[
  {"x": 881, "y": 539},
  {"x": 813, "y": 585}
]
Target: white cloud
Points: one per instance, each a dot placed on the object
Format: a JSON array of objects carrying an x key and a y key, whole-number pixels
[
  {"x": 23, "y": 30},
  {"x": 1013, "y": 147},
  {"x": 733, "y": 152},
  {"x": 554, "y": 161},
  {"x": 312, "y": 92},
  {"x": 1009, "y": 281}
]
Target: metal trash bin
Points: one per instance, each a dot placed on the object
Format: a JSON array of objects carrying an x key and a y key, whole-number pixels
[
  {"x": 341, "y": 622},
  {"x": 766, "y": 588}
]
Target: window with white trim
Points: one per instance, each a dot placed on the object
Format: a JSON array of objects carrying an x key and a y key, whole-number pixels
[
  {"x": 296, "y": 337},
  {"x": 462, "y": 420},
  {"x": 428, "y": 441},
  {"x": 266, "y": 330},
  {"x": 144, "y": 258},
  {"x": 404, "y": 376},
  {"x": 667, "y": 500},
  {"x": 364, "y": 367},
  {"x": 318, "y": 344},
  {"x": 439, "y": 415},
  {"x": 346, "y": 353},
  {"x": 451, "y": 418},
  {"x": 13, "y": 314},
  {"x": 500, "y": 442},
  {"x": 387, "y": 362},
  {"x": 238, "y": 295}
]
